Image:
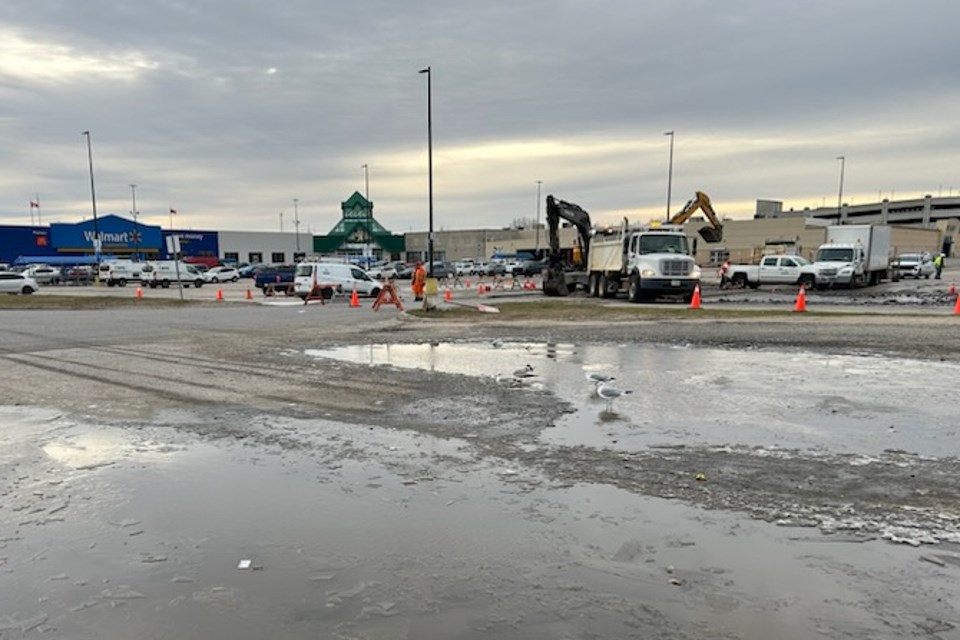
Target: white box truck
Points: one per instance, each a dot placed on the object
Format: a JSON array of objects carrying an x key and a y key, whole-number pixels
[{"x": 853, "y": 255}]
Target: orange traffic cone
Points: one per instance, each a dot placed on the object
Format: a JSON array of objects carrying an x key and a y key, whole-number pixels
[
  {"x": 956, "y": 307},
  {"x": 695, "y": 301},
  {"x": 466, "y": 283},
  {"x": 480, "y": 290},
  {"x": 219, "y": 295},
  {"x": 139, "y": 293},
  {"x": 354, "y": 299},
  {"x": 801, "y": 304},
  {"x": 249, "y": 294},
  {"x": 448, "y": 296}
]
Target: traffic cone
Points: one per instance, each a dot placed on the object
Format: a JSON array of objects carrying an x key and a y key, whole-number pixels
[
  {"x": 249, "y": 294},
  {"x": 801, "y": 304},
  {"x": 139, "y": 293},
  {"x": 448, "y": 296},
  {"x": 354, "y": 299},
  {"x": 466, "y": 283},
  {"x": 953, "y": 289},
  {"x": 219, "y": 295},
  {"x": 479, "y": 289},
  {"x": 956, "y": 307},
  {"x": 695, "y": 300}
]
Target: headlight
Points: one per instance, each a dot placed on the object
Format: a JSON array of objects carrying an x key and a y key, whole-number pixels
[
  {"x": 695, "y": 274},
  {"x": 648, "y": 273}
]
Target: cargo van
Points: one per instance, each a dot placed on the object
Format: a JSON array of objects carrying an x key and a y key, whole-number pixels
[
  {"x": 161, "y": 273},
  {"x": 119, "y": 272},
  {"x": 345, "y": 276}
]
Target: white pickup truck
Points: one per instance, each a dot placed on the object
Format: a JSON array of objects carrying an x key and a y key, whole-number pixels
[{"x": 771, "y": 270}]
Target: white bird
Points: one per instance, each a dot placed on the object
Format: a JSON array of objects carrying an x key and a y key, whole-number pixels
[
  {"x": 597, "y": 378},
  {"x": 610, "y": 393},
  {"x": 525, "y": 372},
  {"x": 496, "y": 343}
]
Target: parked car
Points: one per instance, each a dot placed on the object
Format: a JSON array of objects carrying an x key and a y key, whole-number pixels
[
  {"x": 249, "y": 270},
  {"x": 44, "y": 274},
  {"x": 463, "y": 267},
  {"x": 406, "y": 271},
  {"x": 342, "y": 276},
  {"x": 495, "y": 269},
  {"x": 440, "y": 269},
  {"x": 79, "y": 274},
  {"x": 915, "y": 265},
  {"x": 221, "y": 274},
  {"x": 12, "y": 282},
  {"x": 385, "y": 270},
  {"x": 530, "y": 268}
]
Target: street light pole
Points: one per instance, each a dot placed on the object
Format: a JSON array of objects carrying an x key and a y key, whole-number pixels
[
  {"x": 366, "y": 182},
  {"x": 843, "y": 161},
  {"x": 135, "y": 213},
  {"x": 296, "y": 221},
  {"x": 430, "y": 165},
  {"x": 93, "y": 200},
  {"x": 669, "y": 173},
  {"x": 539, "y": 182}
]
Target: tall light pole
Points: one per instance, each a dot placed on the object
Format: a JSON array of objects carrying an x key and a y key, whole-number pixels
[
  {"x": 539, "y": 182},
  {"x": 93, "y": 199},
  {"x": 366, "y": 181},
  {"x": 296, "y": 221},
  {"x": 281, "y": 222},
  {"x": 430, "y": 165},
  {"x": 669, "y": 173},
  {"x": 843, "y": 161},
  {"x": 135, "y": 213}
]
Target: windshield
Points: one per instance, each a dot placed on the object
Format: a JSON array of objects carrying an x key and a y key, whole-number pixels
[
  {"x": 835, "y": 254},
  {"x": 655, "y": 243},
  {"x": 303, "y": 270}
]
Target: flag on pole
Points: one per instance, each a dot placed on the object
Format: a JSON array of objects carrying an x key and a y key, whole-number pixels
[
  {"x": 173, "y": 210},
  {"x": 34, "y": 205}
]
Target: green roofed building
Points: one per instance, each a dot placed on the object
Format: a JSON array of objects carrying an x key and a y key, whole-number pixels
[{"x": 358, "y": 236}]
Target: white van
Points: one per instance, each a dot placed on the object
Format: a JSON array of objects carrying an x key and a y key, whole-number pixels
[
  {"x": 161, "y": 273},
  {"x": 120, "y": 272},
  {"x": 347, "y": 276}
]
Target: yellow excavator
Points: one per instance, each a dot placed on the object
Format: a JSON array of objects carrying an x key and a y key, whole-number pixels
[{"x": 712, "y": 233}]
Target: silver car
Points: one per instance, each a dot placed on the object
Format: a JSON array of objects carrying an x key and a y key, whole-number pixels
[{"x": 13, "y": 283}]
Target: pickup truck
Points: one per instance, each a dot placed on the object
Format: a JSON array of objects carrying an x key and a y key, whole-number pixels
[
  {"x": 277, "y": 274},
  {"x": 771, "y": 270}
]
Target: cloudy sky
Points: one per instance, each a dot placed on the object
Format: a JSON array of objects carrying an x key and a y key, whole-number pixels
[{"x": 227, "y": 110}]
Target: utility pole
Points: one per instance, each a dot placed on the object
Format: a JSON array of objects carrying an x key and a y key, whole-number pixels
[
  {"x": 136, "y": 231},
  {"x": 93, "y": 199},
  {"x": 539, "y": 182},
  {"x": 296, "y": 221},
  {"x": 669, "y": 174},
  {"x": 843, "y": 161}
]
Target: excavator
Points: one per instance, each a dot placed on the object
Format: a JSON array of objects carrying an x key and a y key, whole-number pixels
[
  {"x": 712, "y": 233},
  {"x": 555, "y": 280}
]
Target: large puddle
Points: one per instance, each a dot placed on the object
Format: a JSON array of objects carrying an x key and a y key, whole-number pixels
[
  {"x": 144, "y": 534},
  {"x": 838, "y": 403}
]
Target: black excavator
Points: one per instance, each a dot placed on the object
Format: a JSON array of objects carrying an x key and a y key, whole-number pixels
[
  {"x": 557, "y": 280},
  {"x": 700, "y": 202}
]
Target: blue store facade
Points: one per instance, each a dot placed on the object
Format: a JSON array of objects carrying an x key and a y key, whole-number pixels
[{"x": 64, "y": 243}]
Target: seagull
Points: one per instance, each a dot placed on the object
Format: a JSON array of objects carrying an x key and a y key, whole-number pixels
[
  {"x": 496, "y": 343},
  {"x": 525, "y": 372},
  {"x": 597, "y": 378},
  {"x": 609, "y": 393}
]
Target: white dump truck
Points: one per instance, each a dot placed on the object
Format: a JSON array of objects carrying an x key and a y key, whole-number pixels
[{"x": 853, "y": 255}]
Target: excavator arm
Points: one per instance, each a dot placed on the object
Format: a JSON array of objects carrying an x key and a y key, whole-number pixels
[
  {"x": 555, "y": 283},
  {"x": 712, "y": 233}
]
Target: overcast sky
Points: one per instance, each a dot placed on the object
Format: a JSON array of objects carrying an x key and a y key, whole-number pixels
[{"x": 227, "y": 110}]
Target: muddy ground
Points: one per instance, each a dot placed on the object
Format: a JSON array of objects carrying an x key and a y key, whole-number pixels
[{"x": 264, "y": 393}]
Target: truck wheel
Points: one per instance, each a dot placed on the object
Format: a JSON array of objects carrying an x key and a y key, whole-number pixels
[
  {"x": 122, "y": 282},
  {"x": 198, "y": 283},
  {"x": 808, "y": 281},
  {"x": 605, "y": 287},
  {"x": 165, "y": 284},
  {"x": 593, "y": 286},
  {"x": 740, "y": 280},
  {"x": 634, "y": 292}
]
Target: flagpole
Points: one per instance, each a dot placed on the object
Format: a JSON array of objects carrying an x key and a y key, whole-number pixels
[
  {"x": 31, "y": 213},
  {"x": 39, "y": 219}
]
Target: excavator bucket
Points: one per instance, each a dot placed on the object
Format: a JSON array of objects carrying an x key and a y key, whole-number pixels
[{"x": 711, "y": 234}]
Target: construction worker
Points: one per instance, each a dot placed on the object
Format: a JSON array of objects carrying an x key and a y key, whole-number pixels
[
  {"x": 724, "y": 270},
  {"x": 938, "y": 263},
  {"x": 419, "y": 281}
]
